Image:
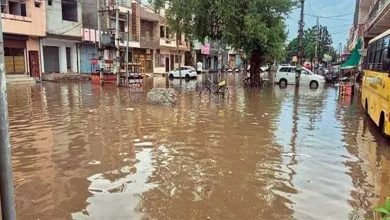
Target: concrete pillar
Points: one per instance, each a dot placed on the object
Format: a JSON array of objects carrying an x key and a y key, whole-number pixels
[
  {"x": 62, "y": 57},
  {"x": 73, "y": 58},
  {"x": 42, "y": 63}
]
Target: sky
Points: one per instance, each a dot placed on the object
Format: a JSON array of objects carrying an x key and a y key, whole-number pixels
[{"x": 337, "y": 15}]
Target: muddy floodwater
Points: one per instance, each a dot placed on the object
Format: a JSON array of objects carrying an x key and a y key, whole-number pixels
[{"x": 82, "y": 151}]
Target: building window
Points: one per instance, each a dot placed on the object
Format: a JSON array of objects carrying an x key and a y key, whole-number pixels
[
  {"x": 69, "y": 10},
  {"x": 23, "y": 11},
  {"x": 17, "y": 8},
  {"x": 159, "y": 60},
  {"x": 167, "y": 34},
  {"x": 162, "y": 31},
  {"x": 147, "y": 29},
  {"x": 177, "y": 58}
]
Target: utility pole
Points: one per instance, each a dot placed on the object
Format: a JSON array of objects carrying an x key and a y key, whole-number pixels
[
  {"x": 300, "y": 45},
  {"x": 340, "y": 49},
  {"x": 178, "y": 51},
  {"x": 7, "y": 199},
  {"x": 317, "y": 39},
  {"x": 100, "y": 53},
  {"x": 127, "y": 47},
  {"x": 117, "y": 47},
  {"x": 300, "y": 37}
]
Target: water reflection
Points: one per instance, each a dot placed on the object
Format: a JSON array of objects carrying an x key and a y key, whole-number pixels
[{"x": 82, "y": 151}]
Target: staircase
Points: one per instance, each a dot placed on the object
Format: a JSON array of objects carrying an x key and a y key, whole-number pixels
[{"x": 19, "y": 79}]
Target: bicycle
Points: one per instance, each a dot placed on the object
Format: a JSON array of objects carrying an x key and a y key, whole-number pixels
[
  {"x": 216, "y": 88},
  {"x": 248, "y": 82}
]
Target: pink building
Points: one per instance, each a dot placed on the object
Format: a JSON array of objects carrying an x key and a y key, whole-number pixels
[{"x": 24, "y": 23}]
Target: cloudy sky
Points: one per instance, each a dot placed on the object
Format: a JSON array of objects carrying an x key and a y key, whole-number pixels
[{"x": 337, "y": 15}]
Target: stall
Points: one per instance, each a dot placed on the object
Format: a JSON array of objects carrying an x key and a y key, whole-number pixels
[{"x": 348, "y": 71}]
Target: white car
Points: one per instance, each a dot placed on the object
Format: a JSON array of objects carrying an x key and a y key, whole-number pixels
[
  {"x": 286, "y": 75},
  {"x": 186, "y": 72}
]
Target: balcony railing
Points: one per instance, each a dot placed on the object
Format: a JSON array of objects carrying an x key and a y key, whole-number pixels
[
  {"x": 16, "y": 17},
  {"x": 376, "y": 9}
]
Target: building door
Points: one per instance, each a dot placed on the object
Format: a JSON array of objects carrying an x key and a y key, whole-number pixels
[
  {"x": 14, "y": 60},
  {"x": 167, "y": 64},
  {"x": 34, "y": 64},
  {"x": 51, "y": 58},
  {"x": 172, "y": 62}
]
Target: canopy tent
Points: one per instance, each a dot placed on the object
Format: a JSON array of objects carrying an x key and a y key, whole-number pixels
[{"x": 354, "y": 59}]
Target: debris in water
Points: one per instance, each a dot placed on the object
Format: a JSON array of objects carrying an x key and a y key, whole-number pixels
[
  {"x": 94, "y": 162},
  {"x": 144, "y": 144},
  {"x": 160, "y": 96},
  {"x": 137, "y": 140}
]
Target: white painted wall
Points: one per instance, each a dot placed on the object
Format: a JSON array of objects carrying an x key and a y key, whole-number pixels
[
  {"x": 62, "y": 45},
  {"x": 55, "y": 24}
]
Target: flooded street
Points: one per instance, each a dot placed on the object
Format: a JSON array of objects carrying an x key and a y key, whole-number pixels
[{"x": 82, "y": 151}]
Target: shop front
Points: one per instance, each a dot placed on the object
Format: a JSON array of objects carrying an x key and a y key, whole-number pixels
[
  {"x": 144, "y": 57},
  {"x": 167, "y": 60},
  {"x": 21, "y": 55},
  {"x": 15, "y": 54}
]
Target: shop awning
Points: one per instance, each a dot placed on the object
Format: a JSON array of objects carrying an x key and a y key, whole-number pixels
[{"x": 354, "y": 59}]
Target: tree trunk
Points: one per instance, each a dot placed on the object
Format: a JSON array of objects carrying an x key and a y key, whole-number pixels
[{"x": 255, "y": 62}]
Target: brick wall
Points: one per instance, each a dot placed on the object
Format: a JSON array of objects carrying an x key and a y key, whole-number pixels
[{"x": 135, "y": 21}]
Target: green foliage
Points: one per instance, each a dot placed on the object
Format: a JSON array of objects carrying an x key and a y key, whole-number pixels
[
  {"x": 250, "y": 25},
  {"x": 384, "y": 210},
  {"x": 310, "y": 36},
  {"x": 157, "y": 4}
]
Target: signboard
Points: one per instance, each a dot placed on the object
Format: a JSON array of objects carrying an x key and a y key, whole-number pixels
[
  {"x": 205, "y": 49},
  {"x": 92, "y": 35},
  {"x": 86, "y": 36}
]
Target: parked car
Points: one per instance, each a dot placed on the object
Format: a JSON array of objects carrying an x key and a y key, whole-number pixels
[
  {"x": 186, "y": 72},
  {"x": 286, "y": 75}
]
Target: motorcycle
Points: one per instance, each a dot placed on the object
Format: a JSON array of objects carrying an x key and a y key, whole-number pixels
[{"x": 331, "y": 78}]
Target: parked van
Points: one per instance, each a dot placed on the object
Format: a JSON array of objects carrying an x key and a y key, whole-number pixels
[{"x": 286, "y": 75}]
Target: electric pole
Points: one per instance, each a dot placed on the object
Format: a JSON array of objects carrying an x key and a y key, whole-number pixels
[
  {"x": 317, "y": 39},
  {"x": 100, "y": 53},
  {"x": 117, "y": 65},
  {"x": 300, "y": 37},
  {"x": 7, "y": 199},
  {"x": 300, "y": 45},
  {"x": 127, "y": 47}
]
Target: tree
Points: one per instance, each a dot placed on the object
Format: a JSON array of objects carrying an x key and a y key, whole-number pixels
[
  {"x": 310, "y": 36},
  {"x": 255, "y": 26}
]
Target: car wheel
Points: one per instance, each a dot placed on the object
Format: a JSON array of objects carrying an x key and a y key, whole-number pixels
[
  {"x": 283, "y": 83},
  {"x": 171, "y": 76},
  {"x": 187, "y": 77},
  {"x": 313, "y": 85}
]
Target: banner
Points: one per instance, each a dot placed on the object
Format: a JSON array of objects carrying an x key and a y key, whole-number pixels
[{"x": 205, "y": 49}]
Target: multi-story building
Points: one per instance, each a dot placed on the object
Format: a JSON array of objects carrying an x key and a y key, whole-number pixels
[
  {"x": 24, "y": 23},
  {"x": 150, "y": 43},
  {"x": 63, "y": 34},
  {"x": 172, "y": 49},
  {"x": 147, "y": 29},
  {"x": 371, "y": 19}
]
